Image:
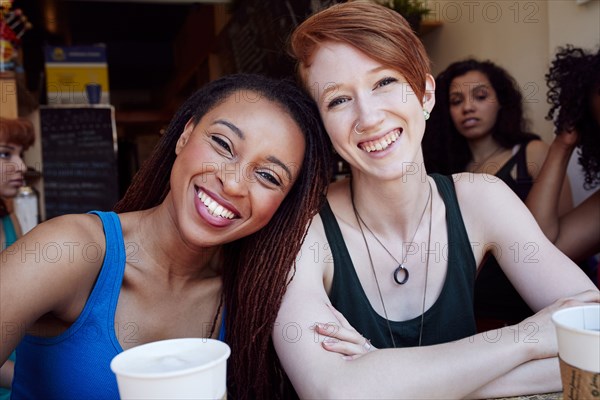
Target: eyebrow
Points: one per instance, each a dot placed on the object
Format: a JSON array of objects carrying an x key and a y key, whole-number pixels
[
  {"x": 330, "y": 87},
  {"x": 277, "y": 161},
  {"x": 240, "y": 134},
  {"x": 334, "y": 86},
  {"x": 231, "y": 126},
  {"x": 481, "y": 85},
  {"x": 472, "y": 89}
]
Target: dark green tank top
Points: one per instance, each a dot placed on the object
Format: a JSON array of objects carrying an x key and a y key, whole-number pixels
[{"x": 449, "y": 318}]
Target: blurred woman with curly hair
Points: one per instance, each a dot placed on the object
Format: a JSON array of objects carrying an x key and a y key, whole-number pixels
[
  {"x": 479, "y": 126},
  {"x": 574, "y": 93}
]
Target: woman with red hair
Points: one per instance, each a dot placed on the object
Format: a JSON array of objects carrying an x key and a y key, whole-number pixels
[
  {"x": 396, "y": 251},
  {"x": 16, "y": 136}
]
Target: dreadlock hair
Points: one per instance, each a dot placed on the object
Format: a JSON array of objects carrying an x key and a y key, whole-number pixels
[
  {"x": 569, "y": 93},
  {"x": 257, "y": 268},
  {"x": 445, "y": 150}
]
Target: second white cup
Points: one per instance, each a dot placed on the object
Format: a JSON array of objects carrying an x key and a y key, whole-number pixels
[
  {"x": 578, "y": 335},
  {"x": 189, "y": 368}
]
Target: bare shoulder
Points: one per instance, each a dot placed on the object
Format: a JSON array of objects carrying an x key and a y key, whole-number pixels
[
  {"x": 63, "y": 247},
  {"x": 477, "y": 187},
  {"x": 68, "y": 231},
  {"x": 50, "y": 269},
  {"x": 314, "y": 245},
  {"x": 488, "y": 204},
  {"x": 483, "y": 195},
  {"x": 79, "y": 224},
  {"x": 536, "y": 152},
  {"x": 314, "y": 266},
  {"x": 316, "y": 232},
  {"x": 537, "y": 147}
]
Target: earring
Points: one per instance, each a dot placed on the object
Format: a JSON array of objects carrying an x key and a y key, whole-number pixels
[
  {"x": 357, "y": 131},
  {"x": 426, "y": 114}
]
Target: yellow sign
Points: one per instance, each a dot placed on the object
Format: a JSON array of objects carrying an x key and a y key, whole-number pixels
[{"x": 70, "y": 69}]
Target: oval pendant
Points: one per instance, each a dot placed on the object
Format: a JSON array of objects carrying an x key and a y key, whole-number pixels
[{"x": 397, "y": 270}]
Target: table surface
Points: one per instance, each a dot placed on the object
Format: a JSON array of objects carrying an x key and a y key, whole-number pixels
[{"x": 545, "y": 396}]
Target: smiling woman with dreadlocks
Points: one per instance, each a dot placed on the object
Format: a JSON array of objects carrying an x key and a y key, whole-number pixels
[{"x": 212, "y": 222}]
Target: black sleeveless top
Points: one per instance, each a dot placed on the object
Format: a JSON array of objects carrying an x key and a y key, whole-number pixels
[
  {"x": 450, "y": 318},
  {"x": 497, "y": 302},
  {"x": 522, "y": 185}
]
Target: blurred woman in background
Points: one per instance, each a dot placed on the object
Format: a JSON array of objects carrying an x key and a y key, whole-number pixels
[
  {"x": 16, "y": 136},
  {"x": 574, "y": 93},
  {"x": 478, "y": 126}
]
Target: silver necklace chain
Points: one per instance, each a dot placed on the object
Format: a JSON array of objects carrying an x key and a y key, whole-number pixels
[
  {"x": 360, "y": 222},
  {"x": 401, "y": 266}
]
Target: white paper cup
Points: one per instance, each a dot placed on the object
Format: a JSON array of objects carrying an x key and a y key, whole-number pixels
[
  {"x": 191, "y": 368},
  {"x": 578, "y": 335}
]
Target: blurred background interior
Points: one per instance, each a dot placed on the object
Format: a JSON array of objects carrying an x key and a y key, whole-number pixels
[{"x": 159, "y": 51}]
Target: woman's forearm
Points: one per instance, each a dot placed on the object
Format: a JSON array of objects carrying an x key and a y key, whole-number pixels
[
  {"x": 543, "y": 199},
  {"x": 430, "y": 372},
  {"x": 533, "y": 377}
]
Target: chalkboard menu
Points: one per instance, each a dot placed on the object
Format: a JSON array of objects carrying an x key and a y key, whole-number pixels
[{"x": 79, "y": 156}]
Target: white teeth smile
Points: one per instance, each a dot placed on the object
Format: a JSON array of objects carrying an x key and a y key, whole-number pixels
[
  {"x": 215, "y": 208},
  {"x": 381, "y": 144}
]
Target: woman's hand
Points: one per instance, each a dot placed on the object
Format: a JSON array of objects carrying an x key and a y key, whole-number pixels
[
  {"x": 567, "y": 138},
  {"x": 540, "y": 330},
  {"x": 342, "y": 338}
]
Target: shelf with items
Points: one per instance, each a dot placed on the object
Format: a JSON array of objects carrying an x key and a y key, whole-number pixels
[{"x": 8, "y": 100}]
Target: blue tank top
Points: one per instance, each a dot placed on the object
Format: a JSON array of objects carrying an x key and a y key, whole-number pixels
[
  {"x": 10, "y": 236},
  {"x": 76, "y": 364}
]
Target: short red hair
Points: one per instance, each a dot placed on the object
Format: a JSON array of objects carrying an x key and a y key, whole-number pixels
[
  {"x": 17, "y": 130},
  {"x": 377, "y": 31}
]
